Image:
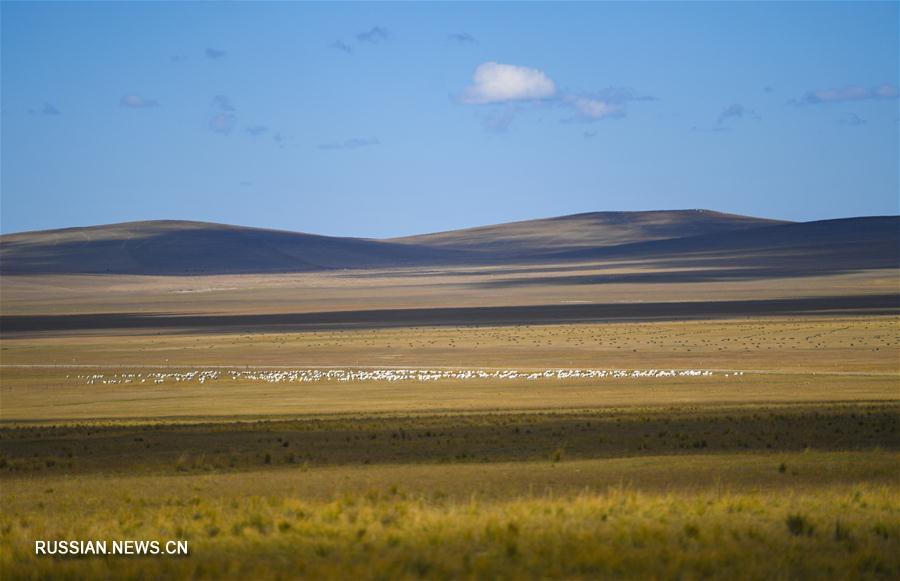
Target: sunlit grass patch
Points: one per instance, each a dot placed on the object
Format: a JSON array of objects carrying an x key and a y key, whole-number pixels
[{"x": 837, "y": 533}]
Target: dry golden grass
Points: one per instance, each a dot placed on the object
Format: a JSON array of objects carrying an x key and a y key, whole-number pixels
[
  {"x": 804, "y": 344},
  {"x": 751, "y": 521}
]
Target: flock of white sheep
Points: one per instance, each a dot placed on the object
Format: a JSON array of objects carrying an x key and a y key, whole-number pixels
[{"x": 360, "y": 375}]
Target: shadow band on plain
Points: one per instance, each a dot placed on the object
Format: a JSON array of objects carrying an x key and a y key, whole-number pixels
[{"x": 25, "y": 325}]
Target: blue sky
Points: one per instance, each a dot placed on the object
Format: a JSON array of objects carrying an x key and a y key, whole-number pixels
[{"x": 380, "y": 119}]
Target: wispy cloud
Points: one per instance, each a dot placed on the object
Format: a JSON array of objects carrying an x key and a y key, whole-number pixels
[
  {"x": 608, "y": 103},
  {"x": 845, "y": 94},
  {"x": 137, "y": 102},
  {"x": 214, "y": 53},
  {"x": 594, "y": 109},
  {"x": 178, "y": 58},
  {"x": 500, "y": 83},
  {"x": 354, "y": 143},
  {"x": 222, "y": 103},
  {"x": 222, "y": 123},
  {"x": 851, "y": 119},
  {"x": 736, "y": 111},
  {"x": 589, "y": 134},
  {"x": 341, "y": 46},
  {"x": 375, "y": 35},
  {"x": 256, "y": 130},
  {"x": 462, "y": 38}
]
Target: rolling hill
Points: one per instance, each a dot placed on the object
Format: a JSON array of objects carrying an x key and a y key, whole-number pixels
[
  {"x": 168, "y": 247},
  {"x": 685, "y": 238},
  {"x": 846, "y": 243},
  {"x": 584, "y": 231}
]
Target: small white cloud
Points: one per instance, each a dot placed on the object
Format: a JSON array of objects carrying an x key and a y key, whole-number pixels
[
  {"x": 499, "y": 83},
  {"x": 137, "y": 102},
  {"x": 608, "y": 103},
  {"x": 595, "y": 109}
]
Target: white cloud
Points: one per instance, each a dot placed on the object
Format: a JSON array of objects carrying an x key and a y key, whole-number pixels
[
  {"x": 499, "y": 83},
  {"x": 595, "y": 109}
]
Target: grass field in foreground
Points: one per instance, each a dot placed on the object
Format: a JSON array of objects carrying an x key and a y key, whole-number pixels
[
  {"x": 747, "y": 491},
  {"x": 785, "y": 515}
]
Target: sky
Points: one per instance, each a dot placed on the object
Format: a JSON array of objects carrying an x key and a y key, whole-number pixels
[{"x": 389, "y": 119}]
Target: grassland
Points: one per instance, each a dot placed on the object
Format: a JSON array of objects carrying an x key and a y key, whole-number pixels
[
  {"x": 747, "y": 490},
  {"x": 789, "y": 470},
  {"x": 782, "y": 492}
]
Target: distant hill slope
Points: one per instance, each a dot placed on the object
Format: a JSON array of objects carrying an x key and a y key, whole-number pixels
[
  {"x": 176, "y": 247},
  {"x": 595, "y": 229},
  {"x": 846, "y": 243}
]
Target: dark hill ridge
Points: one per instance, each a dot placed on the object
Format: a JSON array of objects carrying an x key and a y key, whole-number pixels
[
  {"x": 692, "y": 238},
  {"x": 846, "y": 243},
  {"x": 169, "y": 247}
]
